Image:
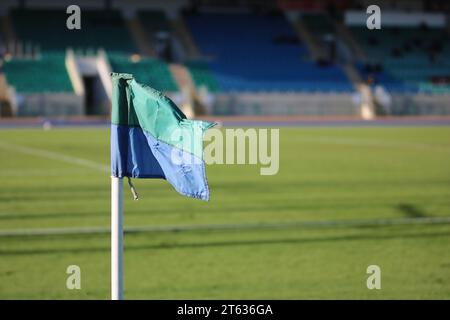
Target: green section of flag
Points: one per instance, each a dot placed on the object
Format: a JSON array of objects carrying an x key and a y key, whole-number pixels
[{"x": 134, "y": 104}]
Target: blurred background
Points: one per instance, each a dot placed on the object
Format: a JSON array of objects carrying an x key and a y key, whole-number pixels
[
  {"x": 364, "y": 149},
  {"x": 213, "y": 57}
]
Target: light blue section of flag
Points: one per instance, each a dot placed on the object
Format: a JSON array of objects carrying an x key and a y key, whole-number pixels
[{"x": 136, "y": 153}]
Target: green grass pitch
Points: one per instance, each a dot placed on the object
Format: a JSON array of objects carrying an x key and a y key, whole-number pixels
[{"x": 326, "y": 174}]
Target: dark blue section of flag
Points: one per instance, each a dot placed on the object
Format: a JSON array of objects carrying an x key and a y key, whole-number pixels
[{"x": 136, "y": 153}]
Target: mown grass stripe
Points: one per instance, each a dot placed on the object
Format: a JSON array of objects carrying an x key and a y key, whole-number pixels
[
  {"x": 55, "y": 156},
  {"x": 231, "y": 227}
]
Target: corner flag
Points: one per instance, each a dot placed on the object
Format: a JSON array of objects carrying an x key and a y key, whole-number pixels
[{"x": 152, "y": 138}]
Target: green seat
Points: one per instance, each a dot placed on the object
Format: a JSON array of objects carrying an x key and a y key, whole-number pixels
[
  {"x": 414, "y": 65},
  {"x": 154, "y": 20},
  {"x": 151, "y": 72},
  {"x": 202, "y": 75},
  {"x": 318, "y": 23},
  {"x": 47, "y": 28},
  {"x": 47, "y": 74}
]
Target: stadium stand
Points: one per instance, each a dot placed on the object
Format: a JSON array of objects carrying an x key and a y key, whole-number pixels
[
  {"x": 261, "y": 53},
  {"x": 201, "y": 75},
  {"x": 154, "y": 21},
  {"x": 374, "y": 75},
  {"x": 158, "y": 31},
  {"x": 407, "y": 59},
  {"x": 318, "y": 23},
  {"x": 321, "y": 31},
  {"x": 150, "y": 71},
  {"x": 96, "y": 31},
  {"x": 306, "y": 61},
  {"x": 46, "y": 74}
]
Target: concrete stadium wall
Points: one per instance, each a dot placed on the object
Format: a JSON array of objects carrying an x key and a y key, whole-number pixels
[
  {"x": 285, "y": 104},
  {"x": 49, "y": 104},
  {"x": 420, "y": 104}
]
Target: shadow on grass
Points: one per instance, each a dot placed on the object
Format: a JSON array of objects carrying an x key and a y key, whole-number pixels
[
  {"x": 411, "y": 211},
  {"x": 406, "y": 209},
  {"x": 213, "y": 244}
]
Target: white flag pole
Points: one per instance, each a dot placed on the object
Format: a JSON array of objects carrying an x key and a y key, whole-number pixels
[{"x": 116, "y": 239}]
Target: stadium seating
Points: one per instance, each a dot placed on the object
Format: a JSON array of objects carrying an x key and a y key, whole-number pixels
[
  {"x": 47, "y": 74},
  {"x": 245, "y": 53},
  {"x": 379, "y": 77},
  {"x": 152, "y": 72},
  {"x": 318, "y": 23},
  {"x": 154, "y": 21},
  {"x": 406, "y": 56},
  {"x": 52, "y": 35},
  {"x": 253, "y": 52},
  {"x": 202, "y": 75}
]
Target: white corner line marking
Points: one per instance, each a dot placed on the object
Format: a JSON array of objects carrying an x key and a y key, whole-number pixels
[{"x": 55, "y": 156}]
